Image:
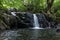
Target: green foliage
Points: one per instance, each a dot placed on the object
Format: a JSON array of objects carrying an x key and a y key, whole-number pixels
[
  {"x": 32, "y": 6},
  {"x": 24, "y": 4}
]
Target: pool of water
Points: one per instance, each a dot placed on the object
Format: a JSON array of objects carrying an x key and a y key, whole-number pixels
[{"x": 30, "y": 34}]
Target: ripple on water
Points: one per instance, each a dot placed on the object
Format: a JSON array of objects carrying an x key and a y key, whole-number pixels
[{"x": 26, "y": 34}]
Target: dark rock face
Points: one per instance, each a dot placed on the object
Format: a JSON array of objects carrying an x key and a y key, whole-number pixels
[
  {"x": 25, "y": 20},
  {"x": 42, "y": 20},
  {"x": 53, "y": 24},
  {"x": 29, "y": 19}
]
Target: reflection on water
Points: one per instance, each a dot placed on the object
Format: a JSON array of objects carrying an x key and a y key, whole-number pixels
[{"x": 29, "y": 34}]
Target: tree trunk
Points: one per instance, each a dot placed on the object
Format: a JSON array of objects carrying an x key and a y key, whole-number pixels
[{"x": 49, "y": 4}]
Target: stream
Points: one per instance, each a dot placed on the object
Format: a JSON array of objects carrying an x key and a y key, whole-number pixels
[{"x": 29, "y": 34}]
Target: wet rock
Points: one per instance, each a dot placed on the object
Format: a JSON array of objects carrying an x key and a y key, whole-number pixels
[
  {"x": 22, "y": 20},
  {"x": 29, "y": 18},
  {"x": 42, "y": 20},
  {"x": 46, "y": 21}
]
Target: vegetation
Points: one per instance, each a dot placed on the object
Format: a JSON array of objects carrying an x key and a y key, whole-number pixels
[{"x": 51, "y": 8}]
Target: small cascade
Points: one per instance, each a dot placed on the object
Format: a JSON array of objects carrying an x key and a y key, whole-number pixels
[
  {"x": 13, "y": 13},
  {"x": 36, "y": 23}
]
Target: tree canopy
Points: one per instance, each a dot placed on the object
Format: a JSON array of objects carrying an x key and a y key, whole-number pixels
[{"x": 50, "y": 7}]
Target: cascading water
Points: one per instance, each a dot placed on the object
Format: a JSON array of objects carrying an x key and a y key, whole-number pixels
[
  {"x": 36, "y": 23},
  {"x": 13, "y": 13}
]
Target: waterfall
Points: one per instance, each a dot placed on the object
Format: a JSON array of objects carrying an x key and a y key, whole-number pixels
[{"x": 36, "y": 23}]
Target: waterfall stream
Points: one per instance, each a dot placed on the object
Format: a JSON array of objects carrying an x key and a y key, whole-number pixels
[{"x": 36, "y": 23}]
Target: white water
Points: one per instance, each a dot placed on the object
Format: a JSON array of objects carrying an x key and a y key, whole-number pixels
[
  {"x": 13, "y": 13},
  {"x": 36, "y": 23}
]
